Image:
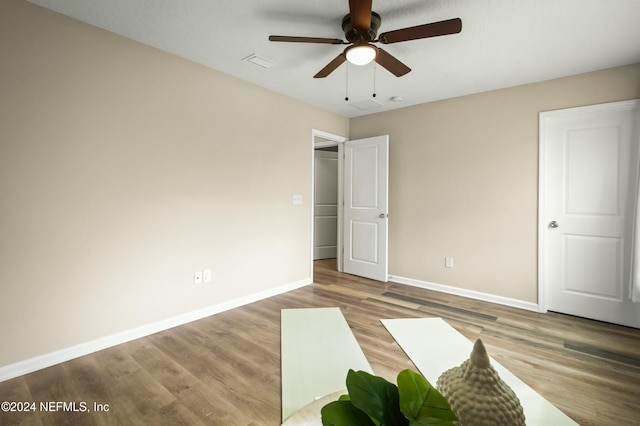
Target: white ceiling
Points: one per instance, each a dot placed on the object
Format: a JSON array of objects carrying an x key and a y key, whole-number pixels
[{"x": 503, "y": 43}]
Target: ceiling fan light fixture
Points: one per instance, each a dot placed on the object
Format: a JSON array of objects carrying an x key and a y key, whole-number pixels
[{"x": 361, "y": 54}]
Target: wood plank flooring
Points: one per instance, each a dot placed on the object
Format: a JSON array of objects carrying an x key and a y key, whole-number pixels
[{"x": 225, "y": 369}]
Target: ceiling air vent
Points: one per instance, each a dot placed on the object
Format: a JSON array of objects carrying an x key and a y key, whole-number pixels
[
  {"x": 259, "y": 61},
  {"x": 365, "y": 105}
]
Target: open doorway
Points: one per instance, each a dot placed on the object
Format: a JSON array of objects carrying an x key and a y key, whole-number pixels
[
  {"x": 362, "y": 208},
  {"x": 326, "y": 211},
  {"x": 325, "y": 207}
]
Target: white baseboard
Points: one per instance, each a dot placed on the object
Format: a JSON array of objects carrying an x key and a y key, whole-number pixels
[
  {"x": 515, "y": 303},
  {"x": 43, "y": 361}
]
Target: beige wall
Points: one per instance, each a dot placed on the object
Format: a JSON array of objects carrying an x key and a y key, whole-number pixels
[
  {"x": 123, "y": 170},
  {"x": 464, "y": 180}
]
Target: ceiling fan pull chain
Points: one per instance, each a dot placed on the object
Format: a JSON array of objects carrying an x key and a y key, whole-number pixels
[
  {"x": 374, "y": 80},
  {"x": 346, "y": 96}
]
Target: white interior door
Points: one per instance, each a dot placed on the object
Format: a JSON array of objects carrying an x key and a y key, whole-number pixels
[
  {"x": 325, "y": 208},
  {"x": 588, "y": 170},
  {"x": 366, "y": 187}
]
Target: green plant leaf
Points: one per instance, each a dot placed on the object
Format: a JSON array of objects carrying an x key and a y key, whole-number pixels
[
  {"x": 343, "y": 413},
  {"x": 376, "y": 397},
  {"x": 421, "y": 403}
]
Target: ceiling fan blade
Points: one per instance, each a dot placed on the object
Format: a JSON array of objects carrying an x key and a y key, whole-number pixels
[
  {"x": 434, "y": 29},
  {"x": 393, "y": 65},
  {"x": 331, "y": 66},
  {"x": 306, "y": 39},
  {"x": 360, "y": 12}
]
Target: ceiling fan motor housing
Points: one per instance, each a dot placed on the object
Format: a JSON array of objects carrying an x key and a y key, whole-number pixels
[{"x": 353, "y": 35}]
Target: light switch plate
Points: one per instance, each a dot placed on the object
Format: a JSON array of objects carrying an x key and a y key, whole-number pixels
[{"x": 297, "y": 199}]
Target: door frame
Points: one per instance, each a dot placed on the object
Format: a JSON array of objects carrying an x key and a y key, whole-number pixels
[
  {"x": 542, "y": 294},
  {"x": 542, "y": 223},
  {"x": 322, "y": 139}
]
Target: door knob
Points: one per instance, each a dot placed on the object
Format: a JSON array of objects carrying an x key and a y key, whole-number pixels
[
  {"x": 553, "y": 224},
  {"x": 382, "y": 215}
]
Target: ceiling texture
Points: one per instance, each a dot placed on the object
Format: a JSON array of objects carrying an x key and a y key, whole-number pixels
[{"x": 503, "y": 43}]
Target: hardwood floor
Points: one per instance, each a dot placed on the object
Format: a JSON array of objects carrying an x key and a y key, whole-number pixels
[{"x": 225, "y": 369}]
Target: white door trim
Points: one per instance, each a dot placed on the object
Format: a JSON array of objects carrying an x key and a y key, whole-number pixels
[
  {"x": 542, "y": 295},
  {"x": 330, "y": 139}
]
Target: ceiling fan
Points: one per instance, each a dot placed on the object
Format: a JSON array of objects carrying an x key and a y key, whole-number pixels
[{"x": 360, "y": 28}]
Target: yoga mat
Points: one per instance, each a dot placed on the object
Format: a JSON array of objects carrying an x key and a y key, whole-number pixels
[
  {"x": 318, "y": 349},
  {"x": 434, "y": 347}
]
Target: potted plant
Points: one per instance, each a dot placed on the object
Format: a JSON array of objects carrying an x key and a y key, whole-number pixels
[{"x": 373, "y": 401}]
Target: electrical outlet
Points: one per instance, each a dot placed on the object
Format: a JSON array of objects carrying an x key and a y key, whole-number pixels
[
  {"x": 206, "y": 275},
  {"x": 197, "y": 277},
  {"x": 448, "y": 262}
]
